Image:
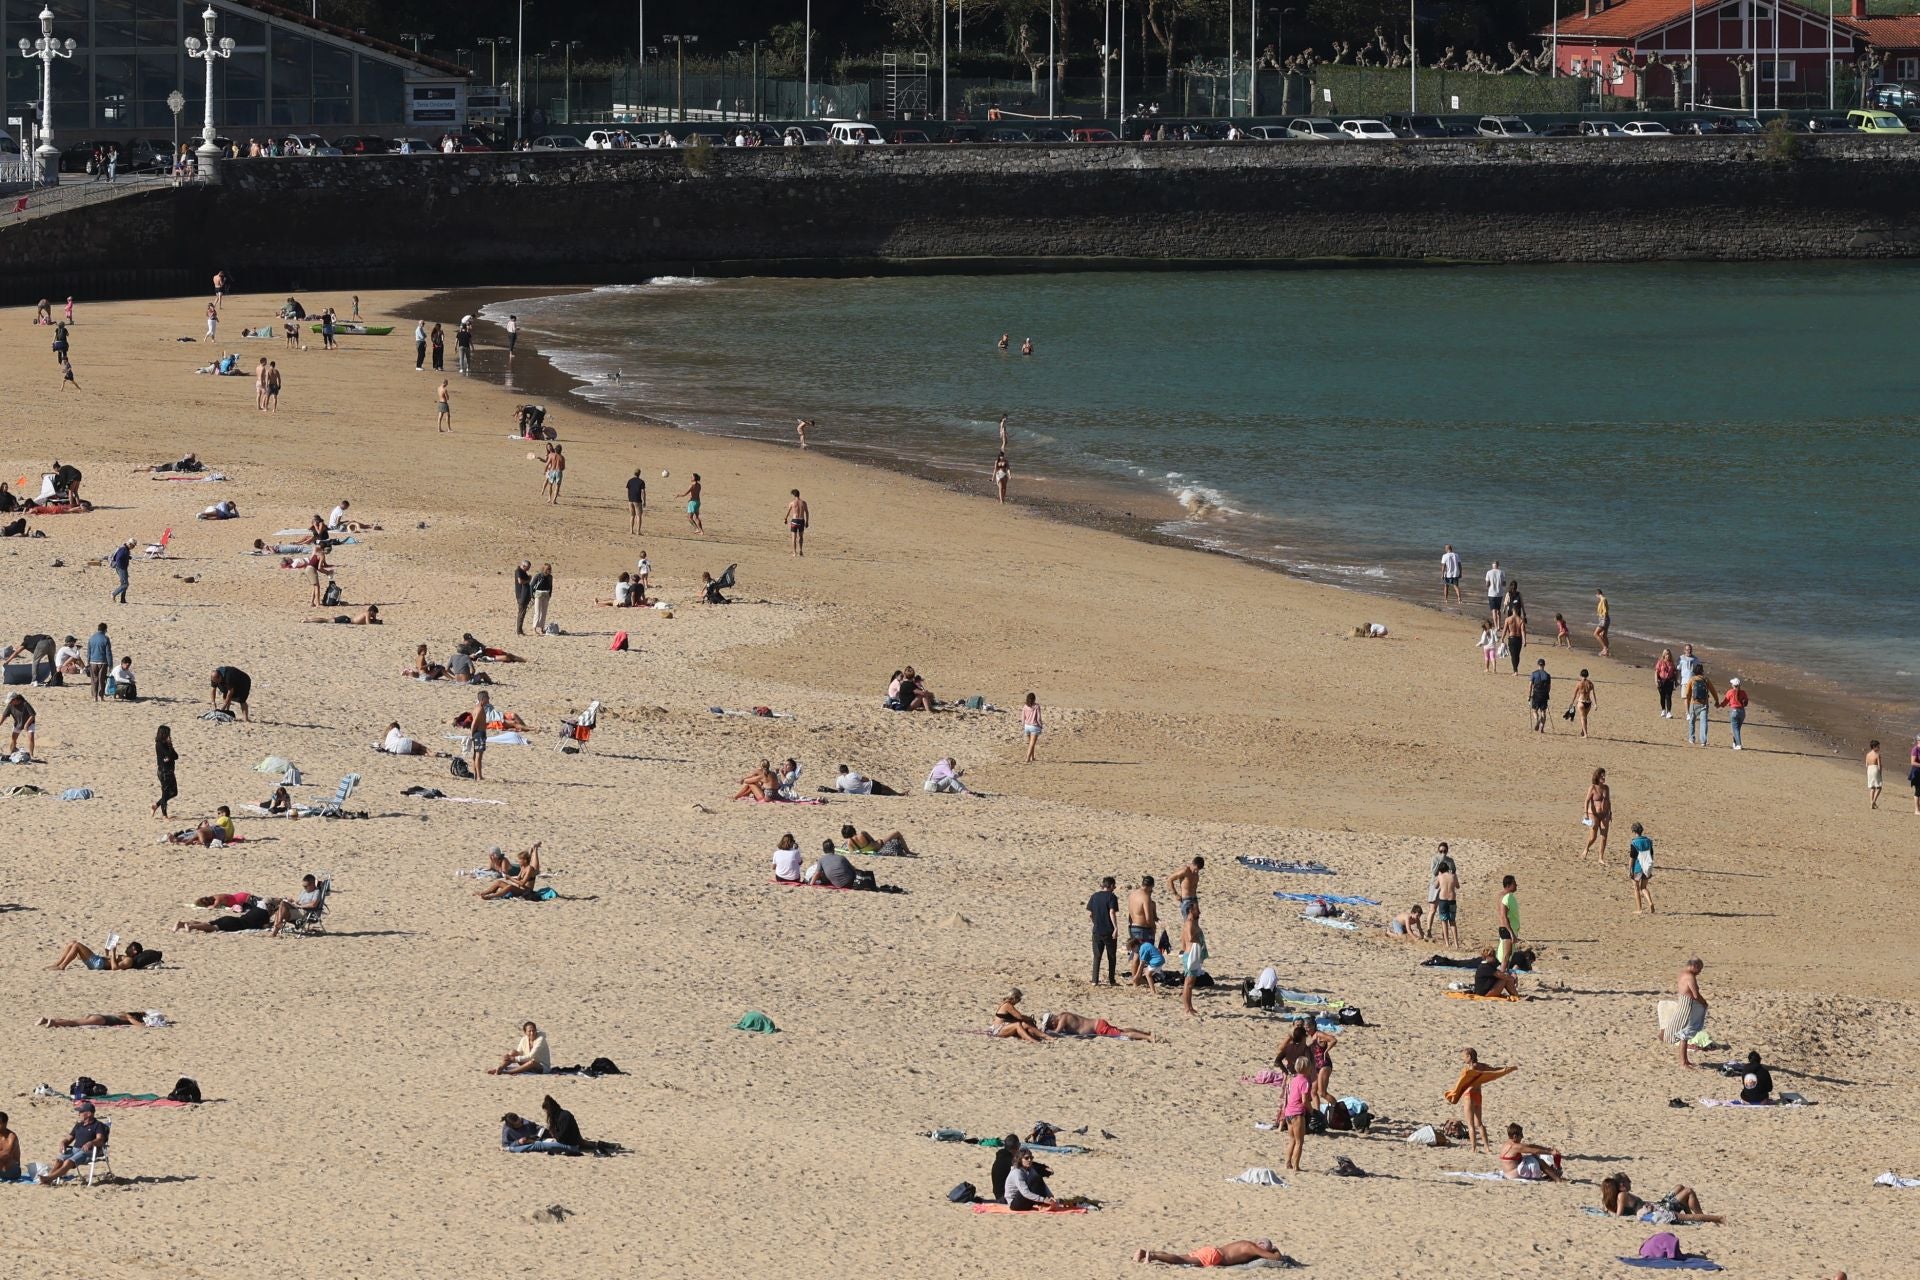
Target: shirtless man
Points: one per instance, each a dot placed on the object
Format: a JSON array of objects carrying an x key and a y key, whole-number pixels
[
  {"x": 692, "y": 494},
  {"x": 1193, "y": 953},
  {"x": 797, "y": 519},
  {"x": 1446, "y": 903},
  {"x": 1688, "y": 990},
  {"x": 1186, "y": 884},
  {"x": 1074, "y": 1024},
  {"x": 556, "y": 472},
  {"x": 1231, "y": 1254},
  {"x": 1143, "y": 919},
  {"x": 800, "y": 429}
]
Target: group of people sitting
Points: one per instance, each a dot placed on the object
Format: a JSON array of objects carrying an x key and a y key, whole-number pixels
[
  {"x": 1010, "y": 1023},
  {"x": 832, "y": 867},
  {"x": 906, "y": 691},
  {"x": 629, "y": 592},
  {"x": 461, "y": 666},
  {"x": 246, "y": 912},
  {"x": 215, "y": 831},
  {"x": 768, "y": 785},
  {"x": 511, "y": 879}
]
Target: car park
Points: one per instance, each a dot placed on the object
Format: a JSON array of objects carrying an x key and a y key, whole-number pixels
[
  {"x": 803, "y": 135},
  {"x": 1873, "y": 120},
  {"x": 1645, "y": 129},
  {"x": 1416, "y": 125},
  {"x": 1829, "y": 124},
  {"x": 360, "y": 144},
  {"x": 1893, "y": 96},
  {"x": 1504, "y": 127},
  {"x": 908, "y": 137},
  {"x": 1561, "y": 129},
  {"x": 609, "y": 140},
  {"x": 1315, "y": 128},
  {"x": 307, "y": 144},
  {"x": 1364, "y": 130},
  {"x": 1267, "y": 132}
]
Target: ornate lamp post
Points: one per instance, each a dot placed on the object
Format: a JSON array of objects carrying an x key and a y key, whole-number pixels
[
  {"x": 207, "y": 51},
  {"x": 46, "y": 48}
]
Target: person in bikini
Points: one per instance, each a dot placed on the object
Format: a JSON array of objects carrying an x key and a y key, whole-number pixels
[
  {"x": 1681, "y": 1204},
  {"x": 1599, "y": 813},
  {"x": 893, "y": 845},
  {"x": 1523, "y": 1161},
  {"x": 1011, "y": 1024}
]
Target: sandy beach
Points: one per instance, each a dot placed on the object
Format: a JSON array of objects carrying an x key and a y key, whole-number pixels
[{"x": 1194, "y": 705}]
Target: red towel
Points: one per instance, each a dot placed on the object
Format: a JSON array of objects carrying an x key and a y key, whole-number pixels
[{"x": 1028, "y": 1213}]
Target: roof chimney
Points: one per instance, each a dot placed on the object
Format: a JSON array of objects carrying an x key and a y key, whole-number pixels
[
  {"x": 1589, "y": 12},
  {"x": 1859, "y": 8}
]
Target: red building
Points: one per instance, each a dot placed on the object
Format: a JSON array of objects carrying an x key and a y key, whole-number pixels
[
  {"x": 1729, "y": 54},
  {"x": 1895, "y": 38}
]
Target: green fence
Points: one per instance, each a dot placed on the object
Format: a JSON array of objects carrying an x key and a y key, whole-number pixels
[
  {"x": 1373, "y": 91},
  {"x": 657, "y": 95}
]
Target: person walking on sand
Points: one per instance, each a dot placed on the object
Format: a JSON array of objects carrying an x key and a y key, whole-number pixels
[
  {"x": 556, "y": 472},
  {"x": 542, "y": 586},
  {"x": 797, "y": 520},
  {"x": 1104, "y": 909},
  {"x": 1597, "y": 815},
  {"x": 692, "y": 494},
  {"x": 66, "y": 375},
  {"x": 1640, "y": 870},
  {"x": 1031, "y": 724},
  {"x": 477, "y": 737},
  {"x": 164, "y": 760},
  {"x": 120, "y": 561},
  {"x": 1193, "y": 952},
  {"x": 1507, "y": 930},
  {"x": 1873, "y": 775},
  {"x": 636, "y": 499},
  {"x": 513, "y": 333},
  {"x": 1496, "y": 589},
  {"x": 1539, "y": 694},
  {"x": 443, "y": 402},
  {"x": 1735, "y": 701},
  {"x": 437, "y": 343},
  {"x": 522, "y": 595},
  {"x": 1913, "y": 773},
  {"x": 1701, "y": 695},
  {"x": 273, "y": 386},
  {"x": 1001, "y": 474},
  {"x": 1601, "y": 621},
  {"x": 1514, "y": 633},
  {"x": 219, "y": 287},
  {"x": 99, "y": 661},
  {"x": 419, "y": 345},
  {"x": 1665, "y": 676},
  {"x": 1584, "y": 700},
  {"x": 1489, "y": 646},
  {"x": 1003, "y": 433},
  {"x": 260, "y": 385},
  {"x": 1449, "y": 574},
  {"x": 213, "y": 323}
]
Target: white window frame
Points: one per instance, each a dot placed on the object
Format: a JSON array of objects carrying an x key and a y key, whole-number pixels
[
  {"x": 1909, "y": 69},
  {"x": 1785, "y": 71}
]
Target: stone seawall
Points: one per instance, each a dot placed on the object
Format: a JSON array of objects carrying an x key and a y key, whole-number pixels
[{"x": 603, "y": 217}]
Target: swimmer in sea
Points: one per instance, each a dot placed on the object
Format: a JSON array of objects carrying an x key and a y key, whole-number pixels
[
  {"x": 1003, "y": 341},
  {"x": 1026, "y": 346}
]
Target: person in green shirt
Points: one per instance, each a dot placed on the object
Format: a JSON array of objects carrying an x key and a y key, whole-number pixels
[{"x": 1509, "y": 929}]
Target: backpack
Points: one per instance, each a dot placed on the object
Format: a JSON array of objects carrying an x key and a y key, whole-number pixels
[
  {"x": 458, "y": 768},
  {"x": 963, "y": 1194},
  {"x": 1350, "y": 1016},
  {"x": 1257, "y": 997},
  {"x": 1316, "y": 1121},
  {"x": 185, "y": 1089},
  {"x": 86, "y": 1087},
  {"x": 1338, "y": 1117},
  {"x": 603, "y": 1067}
]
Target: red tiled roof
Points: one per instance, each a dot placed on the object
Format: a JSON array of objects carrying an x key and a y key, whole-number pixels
[
  {"x": 1902, "y": 32},
  {"x": 1628, "y": 19}
]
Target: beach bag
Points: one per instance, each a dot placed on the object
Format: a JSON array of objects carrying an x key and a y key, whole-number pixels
[
  {"x": 185, "y": 1089},
  {"x": 619, "y": 642},
  {"x": 1316, "y": 1122},
  {"x": 331, "y": 596},
  {"x": 1426, "y": 1136},
  {"x": 1664, "y": 1246},
  {"x": 86, "y": 1087},
  {"x": 1350, "y": 1016},
  {"x": 965, "y": 1193},
  {"x": 603, "y": 1067},
  {"x": 865, "y": 879},
  {"x": 1337, "y": 1116},
  {"x": 458, "y": 768}
]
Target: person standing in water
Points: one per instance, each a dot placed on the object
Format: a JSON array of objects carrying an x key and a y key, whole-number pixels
[
  {"x": 1001, "y": 474},
  {"x": 692, "y": 494},
  {"x": 1026, "y": 346},
  {"x": 800, "y": 429},
  {"x": 1449, "y": 571},
  {"x": 1601, "y": 622},
  {"x": 1003, "y": 341}
]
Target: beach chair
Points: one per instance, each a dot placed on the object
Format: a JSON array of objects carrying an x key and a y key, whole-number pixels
[
  {"x": 577, "y": 729},
  {"x": 314, "y": 919},
  {"x": 101, "y": 1163},
  {"x": 333, "y": 807},
  {"x": 158, "y": 550}
]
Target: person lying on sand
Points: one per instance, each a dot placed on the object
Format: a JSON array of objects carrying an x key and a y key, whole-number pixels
[
  {"x": 271, "y": 914},
  {"x": 521, "y": 883},
  {"x": 762, "y": 784},
  {"x": 894, "y": 845},
  {"x": 261, "y": 547},
  {"x": 219, "y": 827},
  {"x": 1679, "y": 1205},
  {"x": 497, "y": 720},
  {"x": 367, "y": 617},
  {"x": 1526, "y": 1162},
  {"x": 136, "y": 957},
  {"x": 530, "y": 1057},
  {"x": 190, "y": 464},
  {"x": 131, "y": 1018},
  {"x": 225, "y": 509},
  {"x": 1074, "y": 1024},
  {"x": 1011, "y": 1024},
  {"x": 397, "y": 743},
  {"x": 480, "y": 651},
  {"x": 1233, "y": 1253}
]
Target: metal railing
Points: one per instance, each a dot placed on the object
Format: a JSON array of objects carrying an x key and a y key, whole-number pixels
[{"x": 20, "y": 201}]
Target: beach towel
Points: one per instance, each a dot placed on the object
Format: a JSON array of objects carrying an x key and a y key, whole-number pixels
[
  {"x": 1473, "y": 1078},
  {"x": 1332, "y": 924},
  {"x": 1288, "y": 868},
  {"x": 1757, "y": 1106},
  {"x": 1680, "y": 1019},
  {"x": 26, "y": 789},
  {"x": 1426, "y": 1136},
  {"x": 1030, "y": 1213},
  {"x": 757, "y": 1022},
  {"x": 1479, "y": 1176},
  {"x": 768, "y": 714},
  {"x": 1673, "y": 1264},
  {"x": 77, "y": 793},
  {"x": 1894, "y": 1180},
  {"x": 1259, "y": 1177},
  {"x": 1305, "y": 997},
  {"x": 1468, "y": 995},
  {"x": 802, "y": 884},
  {"x": 1343, "y": 899},
  {"x": 142, "y": 1100},
  {"x": 780, "y": 799}
]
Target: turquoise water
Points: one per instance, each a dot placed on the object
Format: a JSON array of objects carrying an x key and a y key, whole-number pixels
[{"x": 1729, "y": 450}]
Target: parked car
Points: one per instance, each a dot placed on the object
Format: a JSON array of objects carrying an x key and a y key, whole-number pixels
[
  {"x": 609, "y": 140},
  {"x": 1645, "y": 129},
  {"x": 1315, "y": 128},
  {"x": 908, "y": 137},
  {"x": 853, "y": 133},
  {"x": 1412, "y": 125},
  {"x": 1829, "y": 124},
  {"x": 147, "y": 155},
  {"x": 1893, "y": 95},
  {"x": 558, "y": 142},
  {"x": 1047, "y": 133},
  {"x": 360, "y": 144},
  {"x": 1364, "y": 130},
  {"x": 1504, "y": 127},
  {"x": 1267, "y": 133},
  {"x": 8, "y": 147},
  {"x": 802, "y": 135},
  {"x": 1744, "y": 124},
  {"x": 74, "y": 156},
  {"x": 1601, "y": 129},
  {"x": 413, "y": 147},
  {"x": 1006, "y": 135},
  {"x": 1873, "y": 120},
  {"x": 307, "y": 144},
  {"x": 1095, "y": 135}
]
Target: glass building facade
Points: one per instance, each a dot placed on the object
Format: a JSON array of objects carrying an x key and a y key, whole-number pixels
[{"x": 130, "y": 54}]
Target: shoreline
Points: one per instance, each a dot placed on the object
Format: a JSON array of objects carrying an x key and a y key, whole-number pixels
[{"x": 1831, "y": 716}]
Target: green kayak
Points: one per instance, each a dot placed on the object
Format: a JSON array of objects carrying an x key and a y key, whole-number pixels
[{"x": 367, "y": 330}]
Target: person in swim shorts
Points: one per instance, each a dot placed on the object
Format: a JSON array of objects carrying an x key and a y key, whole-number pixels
[
  {"x": 797, "y": 520},
  {"x": 1234, "y": 1253},
  {"x": 692, "y": 494},
  {"x": 1074, "y": 1024}
]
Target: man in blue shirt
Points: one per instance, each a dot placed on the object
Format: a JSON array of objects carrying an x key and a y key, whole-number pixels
[
  {"x": 1539, "y": 691},
  {"x": 122, "y": 556},
  {"x": 99, "y": 660},
  {"x": 88, "y": 1140}
]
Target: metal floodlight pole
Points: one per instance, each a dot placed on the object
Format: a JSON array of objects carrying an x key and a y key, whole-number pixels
[
  {"x": 1123, "y": 70},
  {"x": 806, "y": 79},
  {"x": 943, "y": 59},
  {"x": 1053, "y": 68},
  {"x": 1413, "y": 60},
  {"x": 520, "y": 76}
]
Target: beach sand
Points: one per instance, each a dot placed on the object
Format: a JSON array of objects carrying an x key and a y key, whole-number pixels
[{"x": 1194, "y": 704}]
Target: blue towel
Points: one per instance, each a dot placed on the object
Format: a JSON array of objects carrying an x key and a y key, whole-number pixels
[
  {"x": 1344, "y": 899},
  {"x": 1055, "y": 1151},
  {"x": 77, "y": 793},
  {"x": 1289, "y": 868},
  {"x": 1674, "y": 1264},
  {"x": 1302, "y": 997}
]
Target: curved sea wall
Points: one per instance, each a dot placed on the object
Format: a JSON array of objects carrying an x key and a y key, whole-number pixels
[{"x": 607, "y": 217}]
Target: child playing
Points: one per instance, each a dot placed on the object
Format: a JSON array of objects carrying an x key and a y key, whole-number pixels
[{"x": 1561, "y": 640}]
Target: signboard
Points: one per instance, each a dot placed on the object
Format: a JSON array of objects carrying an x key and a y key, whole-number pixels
[{"x": 442, "y": 103}]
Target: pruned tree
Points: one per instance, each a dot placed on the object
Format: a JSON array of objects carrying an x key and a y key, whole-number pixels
[{"x": 1744, "y": 65}]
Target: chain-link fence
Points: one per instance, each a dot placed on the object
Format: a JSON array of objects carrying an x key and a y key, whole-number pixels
[{"x": 1374, "y": 91}]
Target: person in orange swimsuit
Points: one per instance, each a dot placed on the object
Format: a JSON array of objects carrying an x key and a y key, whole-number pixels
[{"x": 1231, "y": 1254}]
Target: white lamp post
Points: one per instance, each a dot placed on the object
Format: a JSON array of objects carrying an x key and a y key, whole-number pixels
[
  {"x": 46, "y": 48},
  {"x": 207, "y": 51}
]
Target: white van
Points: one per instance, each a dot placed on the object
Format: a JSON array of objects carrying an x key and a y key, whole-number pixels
[{"x": 849, "y": 133}]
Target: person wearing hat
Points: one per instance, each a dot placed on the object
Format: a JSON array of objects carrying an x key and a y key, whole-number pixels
[
  {"x": 1735, "y": 701},
  {"x": 87, "y": 1142}
]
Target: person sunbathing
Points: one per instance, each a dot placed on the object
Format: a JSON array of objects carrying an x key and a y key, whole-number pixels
[
  {"x": 1526, "y": 1162},
  {"x": 1679, "y": 1205},
  {"x": 529, "y": 1057},
  {"x": 367, "y": 617},
  {"x": 1233, "y": 1253},
  {"x": 257, "y": 914},
  {"x": 520, "y": 884},
  {"x": 1011, "y": 1024},
  {"x": 893, "y": 846},
  {"x": 219, "y": 827},
  {"x": 225, "y": 509},
  {"x": 278, "y": 803},
  {"x": 1074, "y": 1024},
  {"x": 480, "y": 651},
  {"x": 132, "y": 1018},
  {"x": 261, "y": 547},
  {"x": 189, "y": 464},
  {"x": 498, "y": 721},
  {"x": 397, "y": 743},
  {"x": 762, "y": 784},
  {"x": 422, "y": 669},
  {"x": 854, "y": 783},
  {"x": 136, "y": 957}
]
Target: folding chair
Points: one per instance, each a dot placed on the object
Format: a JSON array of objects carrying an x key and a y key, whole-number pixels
[
  {"x": 578, "y": 729},
  {"x": 101, "y": 1162},
  {"x": 332, "y": 807},
  {"x": 158, "y": 550},
  {"x": 313, "y": 919}
]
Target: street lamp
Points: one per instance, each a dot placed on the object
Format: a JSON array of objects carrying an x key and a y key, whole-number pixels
[
  {"x": 46, "y": 48},
  {"x": 416, "y": 37},
  {"x": 493, "y": 44},
  {"x": 208, "y": 154},
  {"x": 566, "y": 48},
  {"x": 680, "y": 44},
  {"x": 806, "y": 78},
  {"x": 1053, "y": 69}
]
